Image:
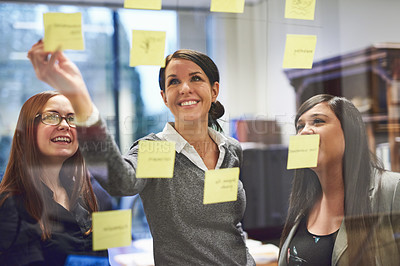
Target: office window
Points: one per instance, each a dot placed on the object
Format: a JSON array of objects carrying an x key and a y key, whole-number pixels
[
  {"x": 141, "y": 107},
  {"x": 22, "y": 24},
  {"x": 109, "y": 85}
]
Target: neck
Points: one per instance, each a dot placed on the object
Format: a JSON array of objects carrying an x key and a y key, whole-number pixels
[
  {"x": 327, "y": 213},
  {"x": 331, "y": 180},
  {"x": 197, "y": 136},
  {"x": 194, "y": 132},
  {"x": 50, "y": 176}
]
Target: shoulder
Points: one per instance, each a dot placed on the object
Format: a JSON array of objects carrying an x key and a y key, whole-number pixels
[
  {"x": 387, "y": 189},
  {"x": 20, "y": 234},
  {"x": 9, "y": 219},
  {"x": 150, "y": 136},
  {"x": 389, "y": 182},
  {"x": 135, "y": 145},
  {"x": 10, "y": 203},
  {"x": 233, "y": 144},
  {"x": 12, "y": 208},
  {"x": 233, "y": 150},
  {"x": 232, "y": 141}
]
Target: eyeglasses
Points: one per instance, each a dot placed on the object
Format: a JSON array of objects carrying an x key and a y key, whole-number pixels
[{"x": 54, "y": 119}]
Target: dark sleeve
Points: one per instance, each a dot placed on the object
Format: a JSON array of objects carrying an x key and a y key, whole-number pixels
[
  {"x": 117, "y": 172},
  {"x": 104, "y": 200},
  {"x": 20, "y": 236}
]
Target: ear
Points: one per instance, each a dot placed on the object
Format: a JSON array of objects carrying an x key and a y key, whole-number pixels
[
  {"x": 164, "y": 97},
  {"x": 214, "y": 91}
]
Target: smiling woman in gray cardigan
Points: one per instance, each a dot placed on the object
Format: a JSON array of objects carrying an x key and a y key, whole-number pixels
[
  {"x": 346, "y": 210},
  {"x": 185, "y": 232}
]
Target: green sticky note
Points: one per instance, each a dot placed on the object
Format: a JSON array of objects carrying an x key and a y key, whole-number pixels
[
  {"x": 148, "y": 48},
  {"x": 112, "y": 229},
  {"x": 300, "y": 9},
  {"x": 156, "y": 159},
  {"x": 303, "y": 151},
  {"x": 299, "y": 51},
  {"x": 221, "y": 185},
  {"x": 143, "y": 4},
  {"x": 63, "y": 31},
  {"x": 229, "y": 6}
]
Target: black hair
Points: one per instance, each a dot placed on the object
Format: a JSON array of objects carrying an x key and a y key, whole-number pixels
[
  {"x": 359, "y": 165},
  {"x": 217, "y": 110}
]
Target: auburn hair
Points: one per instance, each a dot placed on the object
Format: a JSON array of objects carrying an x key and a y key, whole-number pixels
[{"x": 24, "y": 168}]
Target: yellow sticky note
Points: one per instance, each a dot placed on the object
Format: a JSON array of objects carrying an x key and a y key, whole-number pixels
[
  {"x": 112, "y": 229},
  {"x": 63, "y": 30},
  {"x": 148, "y": 48},
  {"x": 303, "y": 151},
  {"x": 300, "y": 9},
  {"x": 299, "y": 51},
  {"x": 143, "y": 4},
  {"x": 156, "y": 159},
  {"x": 221, "y": 185},
  {"x": 229, "y": 6}
]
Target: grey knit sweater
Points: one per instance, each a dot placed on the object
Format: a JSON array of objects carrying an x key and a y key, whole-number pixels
[{"x": 185, "y": 232}]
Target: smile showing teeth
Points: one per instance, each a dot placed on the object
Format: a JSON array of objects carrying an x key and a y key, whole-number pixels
[
  {"x": 61, "y": 139},
  {"x": 188, "y": 103}
]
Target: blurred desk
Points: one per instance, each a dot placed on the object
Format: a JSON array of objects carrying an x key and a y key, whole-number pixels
[{"x": 141, "y": 253}]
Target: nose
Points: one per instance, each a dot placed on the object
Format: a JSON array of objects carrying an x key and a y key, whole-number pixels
[
  {"x": 64, "y": 124},
  {"x": 185, "y": 88},
  {"x": 306, "y": 130}
]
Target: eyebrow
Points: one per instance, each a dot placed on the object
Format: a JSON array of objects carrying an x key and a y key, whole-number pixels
[
  {"x": 318, "y": 114},
  {"x": 195, "y": 73},
  {"x": 190, "y": 74},
  {"x": 314, "y": 115},
  {"x": 54, "y": 111}
]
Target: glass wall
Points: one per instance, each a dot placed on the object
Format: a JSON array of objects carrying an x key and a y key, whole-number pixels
[
  {"x": 113, "y": 85},
  {"x": 357, "y": 55}
]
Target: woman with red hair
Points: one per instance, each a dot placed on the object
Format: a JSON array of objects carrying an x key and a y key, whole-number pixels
[{"x": 46, "y": 198}]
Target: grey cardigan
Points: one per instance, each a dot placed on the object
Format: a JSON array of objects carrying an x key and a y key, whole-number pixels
[
  {"x": 388, "y": 209},
  {"x": 185, "y": 232}
]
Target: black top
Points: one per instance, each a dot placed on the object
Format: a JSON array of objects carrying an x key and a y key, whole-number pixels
[
  {"x": 309, "y": 249},
  {"x": 20, "y": 241}
]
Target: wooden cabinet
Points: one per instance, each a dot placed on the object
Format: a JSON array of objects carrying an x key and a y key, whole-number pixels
[{"x": 370, "y": 78}]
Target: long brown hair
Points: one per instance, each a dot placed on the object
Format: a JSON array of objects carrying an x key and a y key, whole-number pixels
[
  {"x": 359, "y": 166},
  {"x": 217, "y": 110},
  {"x": 22, "y": 175}
]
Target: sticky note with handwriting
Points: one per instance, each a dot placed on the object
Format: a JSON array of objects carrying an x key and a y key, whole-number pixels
[
  {"x": 148, "y": 48},
  {"x": 303, "y": 151},
  {"x": 221, "y": 185},
  {"x": 63, "y": 31},
  {"x": 228, "y": 6},
  {"x": 156, "y": 159},
  {"x": 143, "y": 4},
  {"x": 299, "y": 51},
  {"x": 300, "y": 9},
  {"x": 112, "y": 229}
]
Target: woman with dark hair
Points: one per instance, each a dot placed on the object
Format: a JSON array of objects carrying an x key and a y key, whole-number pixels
[
  {"x": 184, "y": 230},
  {"x": 345, "y": 211},
  {"x": 46, "y": 198}
]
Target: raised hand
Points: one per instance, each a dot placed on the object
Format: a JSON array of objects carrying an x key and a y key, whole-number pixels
[{"x": 62, "y": 74}]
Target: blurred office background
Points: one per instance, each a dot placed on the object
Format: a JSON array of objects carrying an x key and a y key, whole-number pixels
[{"x": 356, "y": 56}]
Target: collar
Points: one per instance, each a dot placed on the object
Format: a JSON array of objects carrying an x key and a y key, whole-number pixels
[
  {"x": 182, "y": 146},
  {"x": 169, "y": 133}
]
